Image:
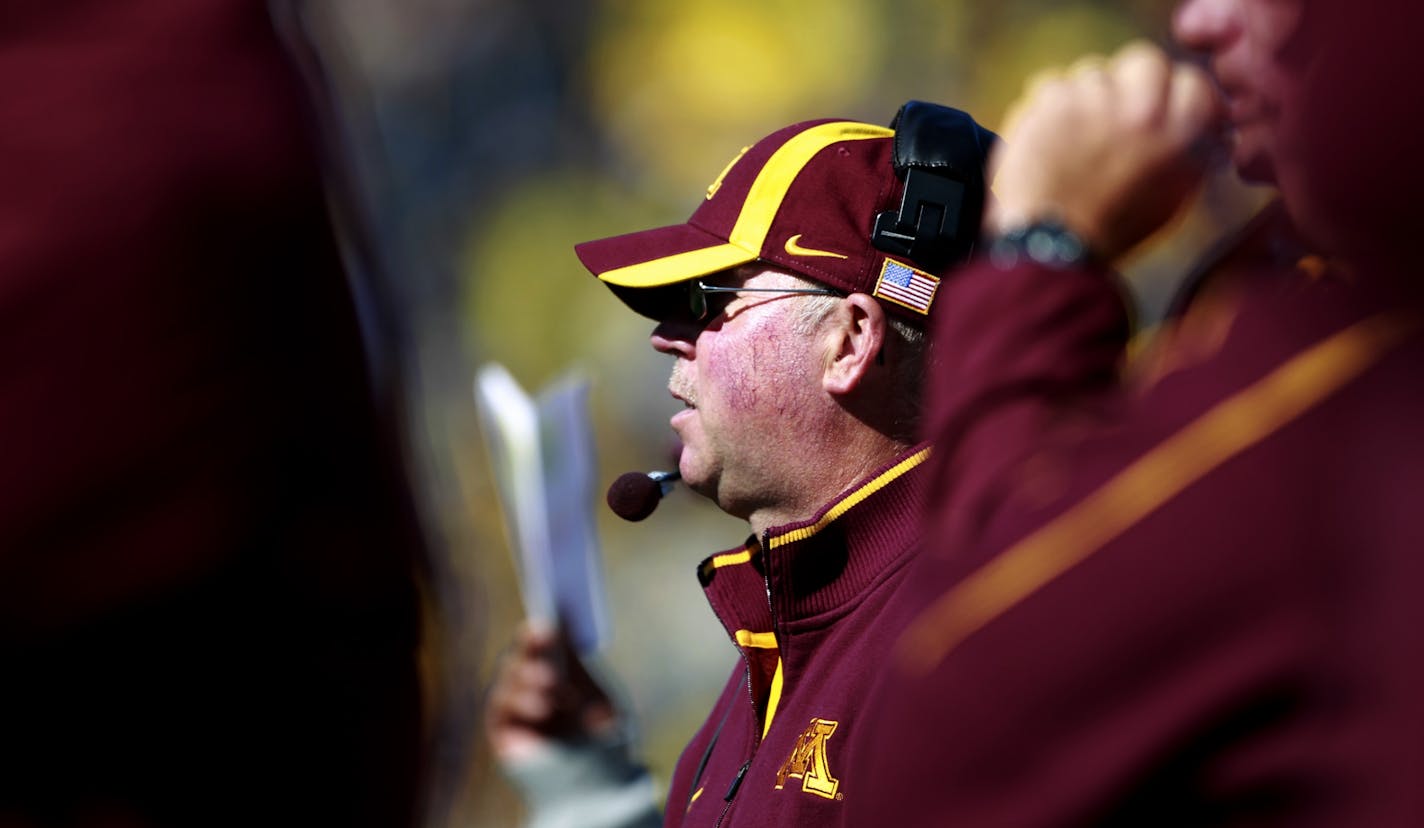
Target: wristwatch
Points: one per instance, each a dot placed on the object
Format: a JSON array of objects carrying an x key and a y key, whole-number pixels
[{"x": 1046, "y": 241}]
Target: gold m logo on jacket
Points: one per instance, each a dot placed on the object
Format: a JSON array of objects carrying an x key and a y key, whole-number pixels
[{"x": 809, "y": 762}]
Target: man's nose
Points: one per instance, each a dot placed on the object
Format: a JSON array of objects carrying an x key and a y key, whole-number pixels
[
  {"x": 675, "y": 337},
  {"x": 1206, "y": 25}
]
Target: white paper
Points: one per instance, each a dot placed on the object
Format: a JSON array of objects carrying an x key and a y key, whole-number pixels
[{"x": 544, "y": 468}]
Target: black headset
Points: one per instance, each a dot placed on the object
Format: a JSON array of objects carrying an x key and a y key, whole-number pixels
[{"x": 940, "y": 153}]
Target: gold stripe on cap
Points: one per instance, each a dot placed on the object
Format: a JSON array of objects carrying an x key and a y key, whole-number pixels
[
  {"x": 772, "y": 183},
  {"x": 717, "y": 185},
  {"x": 763, "y": 200},
  {"x": 679, "y": 267}
]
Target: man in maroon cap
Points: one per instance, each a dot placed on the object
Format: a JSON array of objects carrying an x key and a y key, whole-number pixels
[
  {"x": 799, "y": 351},
  {"x": 1196, "y": 600}
]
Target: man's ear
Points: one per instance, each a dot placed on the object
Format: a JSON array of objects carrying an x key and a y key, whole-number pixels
[{"x": 858, "y": 334}]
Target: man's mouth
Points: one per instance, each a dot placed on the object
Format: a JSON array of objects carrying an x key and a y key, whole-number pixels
[
  {"x": 1241, "y": 112},
  {"x": 1242, "y": 105}
]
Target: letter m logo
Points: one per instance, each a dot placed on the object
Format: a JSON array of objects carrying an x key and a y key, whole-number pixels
[{"x": 809, "y": 762}]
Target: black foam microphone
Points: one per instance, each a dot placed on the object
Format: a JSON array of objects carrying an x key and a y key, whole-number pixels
[{"x": 634, "y": 495}]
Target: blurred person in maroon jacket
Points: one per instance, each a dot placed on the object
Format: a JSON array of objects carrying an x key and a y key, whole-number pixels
[
  {"x": 208, "y": 552},
  {"x": 798, "y": 350},
  {"x": 1198, "y": 599}
]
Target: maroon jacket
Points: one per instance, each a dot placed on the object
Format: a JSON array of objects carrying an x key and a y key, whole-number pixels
[
  {"x": 818, "y": 598},
  {"x": 208, "y": 612},
  {"x": 1199, "y": 600}
]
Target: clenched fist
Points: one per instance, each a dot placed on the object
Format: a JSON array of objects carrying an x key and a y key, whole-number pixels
[{"x": 1111, "y": 147}]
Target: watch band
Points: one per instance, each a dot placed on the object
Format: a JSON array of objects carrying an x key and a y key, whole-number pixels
[{"x": 1045, "y": 242}]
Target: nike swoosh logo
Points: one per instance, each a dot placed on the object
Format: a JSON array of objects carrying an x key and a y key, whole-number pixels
[{"x": 796, "y": 249}]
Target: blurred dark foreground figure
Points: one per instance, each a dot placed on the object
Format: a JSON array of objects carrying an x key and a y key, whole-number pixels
[
  {"x": 1198, "y": 600},
  {"x": 208, "y": 552}
]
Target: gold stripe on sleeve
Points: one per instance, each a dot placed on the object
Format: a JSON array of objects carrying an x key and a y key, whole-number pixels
[{"x": 1223, "y": 432}]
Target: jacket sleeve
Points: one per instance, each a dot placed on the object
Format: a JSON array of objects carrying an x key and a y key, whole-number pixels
[
  {"x": 595, "y": 784},
  {"x": 1015, "y": 351}
]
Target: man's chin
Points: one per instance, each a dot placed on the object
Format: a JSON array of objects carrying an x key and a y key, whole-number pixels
[
  {"x": 693, "y": 476},
  {"x": 1253, "y": 163}
]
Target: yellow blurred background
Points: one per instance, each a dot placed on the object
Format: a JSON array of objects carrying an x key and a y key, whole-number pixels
[{"x": 491, "y": 135}]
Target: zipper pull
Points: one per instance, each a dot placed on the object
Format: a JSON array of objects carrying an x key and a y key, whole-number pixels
[{"x": 736, "y": 783}]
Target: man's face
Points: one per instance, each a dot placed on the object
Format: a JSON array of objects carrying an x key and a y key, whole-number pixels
[
  {"x": 749, "y": 381},
  {"x": 1321, "y": 98},
  {"x": 1251, "y": 48}
]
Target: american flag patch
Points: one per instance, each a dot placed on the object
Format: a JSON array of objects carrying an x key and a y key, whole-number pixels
[{"x": 904, "y": 285}]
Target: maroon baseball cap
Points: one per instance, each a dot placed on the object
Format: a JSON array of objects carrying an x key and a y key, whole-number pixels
[{"x": 803, "y": 199}]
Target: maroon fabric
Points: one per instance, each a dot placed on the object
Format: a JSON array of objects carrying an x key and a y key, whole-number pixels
[
  {"x": 1245, "y": 653},
  {"x": 207, "y": 550},
  {"x": 830, "y": 599}
]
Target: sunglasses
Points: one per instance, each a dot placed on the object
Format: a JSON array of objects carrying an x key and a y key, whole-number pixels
[{"x": 697, "y": 295}]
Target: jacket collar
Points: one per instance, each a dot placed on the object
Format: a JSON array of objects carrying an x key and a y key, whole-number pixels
[{"x": 825, "y": 562}]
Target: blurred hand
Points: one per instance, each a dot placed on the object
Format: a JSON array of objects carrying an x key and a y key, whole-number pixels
[
  {"x": 1112, "y": 147},
  {"x": 542, "y": 693}
]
